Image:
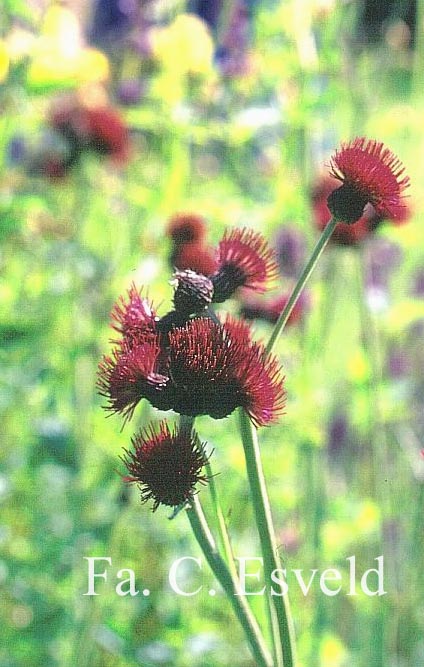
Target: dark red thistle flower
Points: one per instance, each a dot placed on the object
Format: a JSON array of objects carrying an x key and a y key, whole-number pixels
[
  {"x": 133, "y": 316},
  {"x": 99, "y": 128},
  {"x": 134, "y": 372},
  {"x": 166, "y": 465},
  {"x": 344, "y": 234},
  {"x": 186, "y": 228},
  {"x": 244, "y": 259},
  {"x": 216, "y": 368},
  {"x": 270, "y": 309},
  {"x": 370, "y": 173},
  {"x": 108, "y": 133},
  {"x": 194, "y": 256},
  {"x": 193, "y": 292}
]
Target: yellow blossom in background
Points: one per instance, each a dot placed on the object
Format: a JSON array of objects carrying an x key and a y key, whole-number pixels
[
  {"x": 336, "y": 537},
  {"x": 358, "y": 367},
  {"x": 4, "y": 61},
  {"x": 92, "y": 66},
  {"x": 184, "y": 46},
  {"x": 332, "y": 652},
  {"x": 60, "y": 56},
  {"x": 367, "y": 519}
]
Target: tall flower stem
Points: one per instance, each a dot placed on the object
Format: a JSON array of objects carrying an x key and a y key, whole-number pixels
[
  {"x": 222, "y": 527},
  {"x": 260, "y": 500},
  {"x": 297, "y": 291},
  {"x": 225, "y": 570},
  {"x": 261, "y": 505},
  {"x": 228, "y": 582}
]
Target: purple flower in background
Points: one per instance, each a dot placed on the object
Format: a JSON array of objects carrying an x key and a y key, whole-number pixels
[
  {"x": 382, "y": 257},
  {"x": 208, "y": 10},
  {"x": 16, "y": 150},
  {"x": 418, "y": 286},
  {"x": 290, "y": 250},
  {"x": 397, "y": 362},
  {"x": 232, "y": 54},
  {"x": 130, "y": 92},
  {"x": 337, "y": 433},
  {"x": 112, "y": 21}
]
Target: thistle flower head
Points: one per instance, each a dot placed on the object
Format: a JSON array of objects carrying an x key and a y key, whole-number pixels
[
  {"x": 194, "y": 256},
  {"x": 133, "y": 372},
  {"x": 133, "y": 315},
  {"x": 99, "y": 128},
  {"x": 193, "y": 292},
  {"x": 244, "y": 259},
  {"x": 186, "y": 228},
  {"x": 216, "y": 368},
  {"x": 166, "y": 465},
  {"x": 107, "y": 133},
  {"x": 369, "y": 173},
  {"x": 344, "y": 234},
  {"x": 270, "y": 309}
]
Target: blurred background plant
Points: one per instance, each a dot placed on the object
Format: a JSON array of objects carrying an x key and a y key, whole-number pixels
[{"x": 115, "y": 118}]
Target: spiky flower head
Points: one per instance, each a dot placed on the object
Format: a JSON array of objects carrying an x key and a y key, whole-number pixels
[
  {"x": 134, "y": 372},
  {"x": 344, "y": 234},
  {"x": 133, "y": 315},
  {"x": 193, "y": 292},
  {"x": 216, "y": 368},
  {"x": 166, "y": 465},
  {"x": 369, "y": 173},
  {"x": 244, "y": 259}
]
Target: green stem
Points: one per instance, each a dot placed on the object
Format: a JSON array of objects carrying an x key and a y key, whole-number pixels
[
  {"x": 229, "y": 584},
  {"x": 187, "y": 423},
  {"x": 229, "y": 556},
  {"x": 222, "y": 528},
  {"x": 282, "y": 320},
  {"x": 280, "y": 604},
  {"x": 271, "y": 558}
]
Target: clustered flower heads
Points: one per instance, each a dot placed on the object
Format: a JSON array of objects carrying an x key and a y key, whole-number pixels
[
  {"x": 370, "y": 174},
  {"x": 187, "y": 232},
  {"x": 78, "y": 128},
  {"x": 193, "y": 363}
]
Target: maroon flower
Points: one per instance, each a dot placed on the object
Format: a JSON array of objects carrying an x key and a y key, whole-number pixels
[
  {"x": 193, "y": 292},
  {"x": 166, "y": 465},
  {"x": 270, "y": 309},
  {"x": 108, "y": 133},
  {"x": 194, "y": 256},
  {"x": 99, "y": 128},
  {"x": 186, "y": 228},
  {"x": 134, "y": 372},
  {"x": 217, "y": 368},
  {"x": 194, "y": 366},
  {"x": 133, "y": 316},
  {"x": 244, "y": 260},
  {"x": 370, "y": 173},
  {"x": 346, "y": 234}
]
